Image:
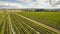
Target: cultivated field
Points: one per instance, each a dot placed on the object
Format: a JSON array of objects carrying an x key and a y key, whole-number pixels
[
  {"x": 29, "y": 22},
  {"x": 49, "y": 18}
]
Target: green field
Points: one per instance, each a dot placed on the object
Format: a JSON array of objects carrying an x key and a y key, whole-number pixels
[
  {"x": 49, "y": 18},
  {"x": 24, "y": 22}
]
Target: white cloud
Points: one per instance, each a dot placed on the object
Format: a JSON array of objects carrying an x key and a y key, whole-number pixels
[
  {"x": 43, "y": 4},
  {"x": 37, "y": 4},
  {"x": 11, "y": 4},
  {"x": 25, "y": 0}
]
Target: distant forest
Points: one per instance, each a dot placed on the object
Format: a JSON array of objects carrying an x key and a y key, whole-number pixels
[
  {"x": 32, "y": 10},
  {"x": 42, "y": 10}
]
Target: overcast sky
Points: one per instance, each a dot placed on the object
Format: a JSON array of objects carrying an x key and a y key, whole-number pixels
[{"x": 26, "y": 4}]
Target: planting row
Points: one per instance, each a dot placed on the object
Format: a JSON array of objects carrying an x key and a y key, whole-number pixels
[
  {"x": 24, "y": 26},
  {"x": 49, "y": 18}
]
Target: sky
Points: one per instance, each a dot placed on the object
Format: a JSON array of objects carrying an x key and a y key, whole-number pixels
[{"x": 20, "y": 4}]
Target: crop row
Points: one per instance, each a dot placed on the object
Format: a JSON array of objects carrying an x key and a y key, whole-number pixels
[
  {"x": 19, "y": 25},
  {"x": 24, "y": 26},
  {"x": 48, "y": 18},
  {"x": 5, "y": 25}
]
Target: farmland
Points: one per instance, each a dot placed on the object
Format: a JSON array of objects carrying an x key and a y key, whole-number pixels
[
  {"x": 49, "y": 18},
  {"x": 29, "y": 22}
]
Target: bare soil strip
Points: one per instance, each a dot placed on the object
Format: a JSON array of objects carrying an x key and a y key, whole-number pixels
[
  {"x": 11, "y": 25},
  {"x": 48, "y": 27}
]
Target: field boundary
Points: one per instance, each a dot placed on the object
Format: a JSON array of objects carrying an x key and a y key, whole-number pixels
[{"x": 48, "y": 27}]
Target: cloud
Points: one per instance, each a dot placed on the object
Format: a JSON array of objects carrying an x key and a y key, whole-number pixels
[
  {"x": 43, "y": 4},
  {"x": 11, "y": 4},
  {"x": 25, "y": 0},
  {"x": 37, "y": 4}
]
